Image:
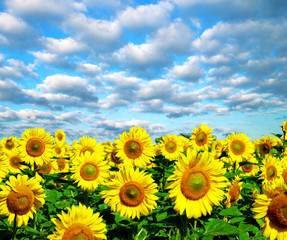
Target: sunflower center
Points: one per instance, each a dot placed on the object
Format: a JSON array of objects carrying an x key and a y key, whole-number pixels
[
  {"x": 277, "y": 210},
  {"x": 284, "y": 174},
  {"x": 266, "y": 147},
  {"x": 195, "y": 183},
  {"x": 9, "y": 144},
  {"x": 271, "y": 172},
  {"x": 114, "y": 158},
  {"x": 133, "y": 149},
  {"x": 58, "y": 150},
  {"x": 170, "y": 146},
  {"x": 247, "y": 167},
  {"x": 234, "y": 193},
  {"x": 35, "y": 147},
  {"x": 78, "y": 231},
  {"x": 15, "y": 162},
  {"x": 61, "y": 163},
  {"x": 20, "y": 202},
  {"x": 132, "y": 194},
  {"x": 45, "y": 168},
  {"x": 237, "y": 147},
  {"x": 60, "y": 137},
  {"x": 89, "y": 171},
  {"x": 87, "y": 149},
  {"x": 201, "y": 138}
]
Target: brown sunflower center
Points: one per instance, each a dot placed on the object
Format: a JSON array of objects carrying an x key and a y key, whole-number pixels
[
  {"x": 35, "y": 147},
  {"x": 277, "y": 210},
  {"x": 9, "y": 144},
  {"x": 271, "y": 172},
  {"x": 78, "y": 231},
  {"x": 60, "y": 136},
  {"x": 266, "y": 147},
  {"x": 247, "y": 168},
  {"x": 234, "y": 193},
  {"x": 284, "y": 174},
  {"x": 15, "y": 162},
  {"x": 61, "y": 163},
  {"x": 201, "y": 139},
  {"x": 89, "y": 171},
  {"x": 20, "y": 202},
  {"x": 170, "y": 146},
  {"x": 87, "y": 149},
  {"x": 237, "y": 147},
  {"x": 132, "y": 194},
  {"x": 195, "y": 183},
  {"x": 133, "y": 149},
  {"x": 114, "y": 158},
  {"x": 45, "y": 168}
]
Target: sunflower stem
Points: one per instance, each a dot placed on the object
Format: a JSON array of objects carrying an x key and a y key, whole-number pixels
[
  {"x": 14, "y": 228},
  {"x": 183, "y": 229},
  {"x": 86, "y": 198}
]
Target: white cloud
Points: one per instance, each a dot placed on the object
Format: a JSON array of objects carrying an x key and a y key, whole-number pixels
[
  {"x": 152, "y": 15},
  {"x": 63, "y": 46}
]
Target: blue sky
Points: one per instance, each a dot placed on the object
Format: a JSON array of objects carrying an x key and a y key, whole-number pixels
[{"x": 97, "y": 68}]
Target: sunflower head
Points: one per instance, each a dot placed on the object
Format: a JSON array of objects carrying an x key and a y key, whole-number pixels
[
  {"x": 60, "y": 136},
  {"x": 171, "y": 147},
  {"x": 8, "y": 144},
  {"x": 233, "y": 194}
]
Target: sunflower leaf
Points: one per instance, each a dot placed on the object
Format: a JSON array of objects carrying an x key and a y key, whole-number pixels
[
  {"x": 218, "y": 227},
  {"x": 230, "y": 212}
]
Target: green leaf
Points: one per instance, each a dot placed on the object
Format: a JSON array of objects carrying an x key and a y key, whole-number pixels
[
  {"x": 230, "y": 212},
  {"x": 142, "y": 234},
  {"x": 217, "y": 227},
  {"x": 52, "y": 195},
  {"x": 273, "y": 151},
  {"x": 277, "y": 135},
  {"x": 161, "y": 216}
]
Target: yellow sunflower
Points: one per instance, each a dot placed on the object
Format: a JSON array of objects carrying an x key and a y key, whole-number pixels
[
  {"x": 135, "y": 148},
  {"x": 59, "y": 150},
  {"x": 239, "y": 146},
  {"x": 171, "y": 147},
  {"x": 131, "y": 193},
  {"x": 91, "y": 171},
  {"x": 60, "y": 136},
  {"x": 8, "y": 144},
  {"x": 86, "y": 144},
  {"x": 110, "y": 150},
  {"x": 271, "y": 173},
  {"x": 196, "y": 184},
  {"x": 14, "y": 160},
  {"x": 36, "y": 146},
  {"x": 233, "y": 194},
  {"x": 63, "y": 165},
  {"x": 266, "y": 144},
  {"x": 284, "y": 168},
  {"x": 250, "y": 166},
  {"x": 201, "y": 138},
  {"x": 284, "y": 127},
  {"x": 79, "y": 223},
  {"x": 273, "y": 210},
  {"x": 46, "y": 168},
  {"x": 21, "y": 197}
]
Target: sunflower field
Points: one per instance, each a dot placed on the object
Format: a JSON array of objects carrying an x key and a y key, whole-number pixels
[{"x": 179, "y": 187}]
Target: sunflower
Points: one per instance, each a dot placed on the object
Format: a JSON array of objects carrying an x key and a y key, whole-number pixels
[
  {"x": 135, "y": 148},
  {"x": 196, "y": 184},
  {"x": 239, "y": 146},
  {"x": 14, "y": 160},
  {"x": 79, "y": 223},
  {"x": 201, "y": 138},
  {"x": 63, "y": 165},
  {"x": 60, "y": 136},
  {"x": 36, "y": 146},
  {"x": 58, "y": 150},
  {"x": 8, "y": 144},
  {"x": 110, "y": 150},
  {"x": 131, "y": 193},
  {"x": 250, "y": 166},
  {"x": 273, "y": 210},
  {"x": 233, "y": 194},
  {"x": 46, "y": 168},
  {"x": 284, "y": 127},
  {"x": 91, "y": 171},
  {"x": 266, "y": 144},
  {"x": 86, "y": 144},
  {"x": 21, "y": 197},
  {"x": 271, "y": 173},
  {"x": 171, "y": 147}
]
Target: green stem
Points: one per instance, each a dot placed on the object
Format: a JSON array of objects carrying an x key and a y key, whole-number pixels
[
  {"x": 86, "y": 198},
  {"x": 14, "y": 228},
  {"x": 183, "y": 229}
]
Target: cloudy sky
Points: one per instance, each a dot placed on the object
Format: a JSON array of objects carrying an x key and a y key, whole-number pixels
[{"x": 96, "y": 68}]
